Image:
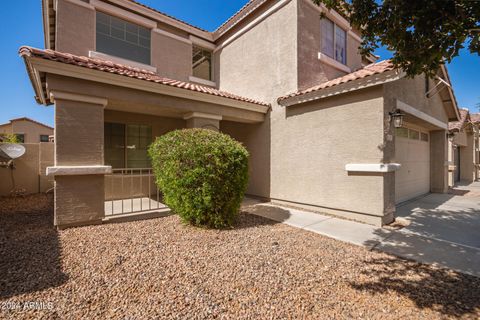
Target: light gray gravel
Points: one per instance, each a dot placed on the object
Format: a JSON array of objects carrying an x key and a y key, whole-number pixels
[{"x": 163, "y": 269}]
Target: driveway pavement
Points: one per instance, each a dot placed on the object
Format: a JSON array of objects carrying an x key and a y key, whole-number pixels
[{"x": 443, "y": 229}]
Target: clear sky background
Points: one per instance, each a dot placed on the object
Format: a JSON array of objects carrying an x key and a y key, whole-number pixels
[{"x": 21, "y": 24}]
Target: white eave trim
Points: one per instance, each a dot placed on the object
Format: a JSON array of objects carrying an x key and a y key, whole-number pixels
[
  {"x": 78, "y": 170},
  {"x": 171, "y": 35},
  {"x": 76, "y": 2},
  {"x": 421, "y": 115},
  {"x": 202, "y": 115},
  {"x": 78, "y": 72},
  {"x": 61, "y": 95},
  {"x": 202, "y": 81},
  {"x": 372, "y": 167},
  {"x": 123, "y": 14},
  {"x": 346, "y": 87},
  {"x": 333, "y": 63},
  {"x": 202, "y": 43},
  {"x": 157, "y": 16},
  {"x": 125, "y": 62}
]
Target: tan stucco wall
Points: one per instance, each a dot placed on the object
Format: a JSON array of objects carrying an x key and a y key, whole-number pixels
[
  {"x": 274, "y": 41},
  {"x": 467, "y": 160},
  {"x": 75, "y": 29},
  {"x": 460, "y": 138},
  {"x": 30, "y": 170},
  {"x": 160, "y": 125},
  {"x": 79, "y": 141},
  {"x": 311, "y": 71},
  {"x": 305, "y": 148},
  {"x": 318, "y": 139},
  {"x": 171, "y": 57},
  {"x": 6, "y": 128},
  {"x": 412, "y": 92},
  {"x": 31, "y": 130},
  {"x": 79, "y": 200}
]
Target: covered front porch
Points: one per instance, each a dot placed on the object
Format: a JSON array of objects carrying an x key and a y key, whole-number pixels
[{"x": 106, "y": 116}]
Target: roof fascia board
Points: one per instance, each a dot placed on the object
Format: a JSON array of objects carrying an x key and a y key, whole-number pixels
[
  {"x": 280, "y": 4},
  {"x": 36, "y": 81},
  {"x": 450, "y": 91},
  {"x": 342, "y": 88},
  {"x": 421, "y": 115},
  {"x": 59, "y": 68},
  {"x": 46, "y": 23},
  {"x": 163, "y": 18}
]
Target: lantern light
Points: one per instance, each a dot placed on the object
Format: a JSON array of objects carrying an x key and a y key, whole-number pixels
[{"x": 397, "y": 117}]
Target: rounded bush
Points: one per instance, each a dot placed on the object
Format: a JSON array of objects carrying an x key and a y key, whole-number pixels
[{"x": 202, "y": 174}]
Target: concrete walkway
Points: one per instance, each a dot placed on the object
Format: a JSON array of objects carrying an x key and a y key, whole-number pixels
[{"x": 443, "y": 229}]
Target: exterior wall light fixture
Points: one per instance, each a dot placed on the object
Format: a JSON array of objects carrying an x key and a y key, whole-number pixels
[{"x": 397, "y": 117}]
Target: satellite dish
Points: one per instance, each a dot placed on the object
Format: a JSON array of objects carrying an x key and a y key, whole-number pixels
[{"x": 10, "y": 151}]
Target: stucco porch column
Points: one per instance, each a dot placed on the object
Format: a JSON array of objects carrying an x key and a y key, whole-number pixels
[
  {"x": 438, "y": 161},
  {"x": 203, "y": 120},
  {"x": 467, "y": 159},
  {"x": 79, "y": 159}
]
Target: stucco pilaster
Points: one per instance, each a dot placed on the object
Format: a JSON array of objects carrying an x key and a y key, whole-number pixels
[
  {"x": 438, "y": 161},
  {"x": 79, "y": 142},
  {"x": 203, "y": 120}
]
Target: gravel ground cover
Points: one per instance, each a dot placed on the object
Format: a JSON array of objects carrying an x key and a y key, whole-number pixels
[{"x": 162, "y": 269}]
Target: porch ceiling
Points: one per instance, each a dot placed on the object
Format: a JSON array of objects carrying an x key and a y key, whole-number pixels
[{"x": 147, "y": 92}]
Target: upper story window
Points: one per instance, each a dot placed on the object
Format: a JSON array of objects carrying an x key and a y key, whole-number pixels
[
  {"x": 202, "y": 63},
  {"x": 334, "y": 41},
  {"x": 122, "y": 39},
  {"x": 44, "y": 138}
]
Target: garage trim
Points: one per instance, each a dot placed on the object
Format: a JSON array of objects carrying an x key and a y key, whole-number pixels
[{"x": 421, "y": 115}]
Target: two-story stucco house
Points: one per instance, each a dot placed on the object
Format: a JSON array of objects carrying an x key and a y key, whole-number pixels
[
  {"x": 291, "y": 86},
  {"x": 463, "y": 148},
  {"x": 27, "y": 130}
]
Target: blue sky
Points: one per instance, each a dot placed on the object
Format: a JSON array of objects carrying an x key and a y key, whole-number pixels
[{"x": 21, "y": 24}]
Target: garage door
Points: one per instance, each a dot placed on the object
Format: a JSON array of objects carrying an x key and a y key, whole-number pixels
[{"x": 412, "y": 151}]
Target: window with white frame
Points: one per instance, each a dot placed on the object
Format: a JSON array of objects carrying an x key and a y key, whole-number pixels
[
  {"x": 202, "y": 63},
  {"x": 122, "y": 39},
  {"x": 333, "y": 41}
]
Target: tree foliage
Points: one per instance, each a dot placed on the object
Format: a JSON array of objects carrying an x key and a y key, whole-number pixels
[
  {"x": 423, "y": 34},
  {"x": 10, "y": 138}
]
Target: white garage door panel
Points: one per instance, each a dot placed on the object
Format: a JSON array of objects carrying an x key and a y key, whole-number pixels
[{"x": 413, "y": 178}]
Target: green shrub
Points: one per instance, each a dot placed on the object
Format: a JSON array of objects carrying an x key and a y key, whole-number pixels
[
  {"x": 203, "y": 175},
  {"x": 10, "y": 138}
]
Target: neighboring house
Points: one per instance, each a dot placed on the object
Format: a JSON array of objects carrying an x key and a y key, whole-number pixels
[
  {"x": 27, "y": 130},
  {"x": 317, "y": 118},
  {"x": 463, "y": 142}
]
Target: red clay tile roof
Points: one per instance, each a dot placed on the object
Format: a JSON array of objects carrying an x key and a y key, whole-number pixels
[
  {"x": 475, "y": 117},
  {"x": 127, "y": 71},
  {"x": 458, "y": 125},
  {"x": 371, "y": 69},
  {"x": 244, "y": 11}
]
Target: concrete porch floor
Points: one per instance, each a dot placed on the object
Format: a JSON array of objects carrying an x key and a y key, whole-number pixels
[
  {"x": 134, "y": 205},
  {"x": 443, "y": 229}
]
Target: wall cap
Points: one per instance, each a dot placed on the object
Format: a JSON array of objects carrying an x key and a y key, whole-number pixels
[
  {"x": 372, "y": 167},
  {"x": 61, "y": 95},
  {"x": 78, "y": 170},
  {"x": 202, "y": 115}
]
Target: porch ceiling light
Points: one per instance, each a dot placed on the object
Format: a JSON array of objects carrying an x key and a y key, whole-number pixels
[{"x": 397, "y": 117}]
